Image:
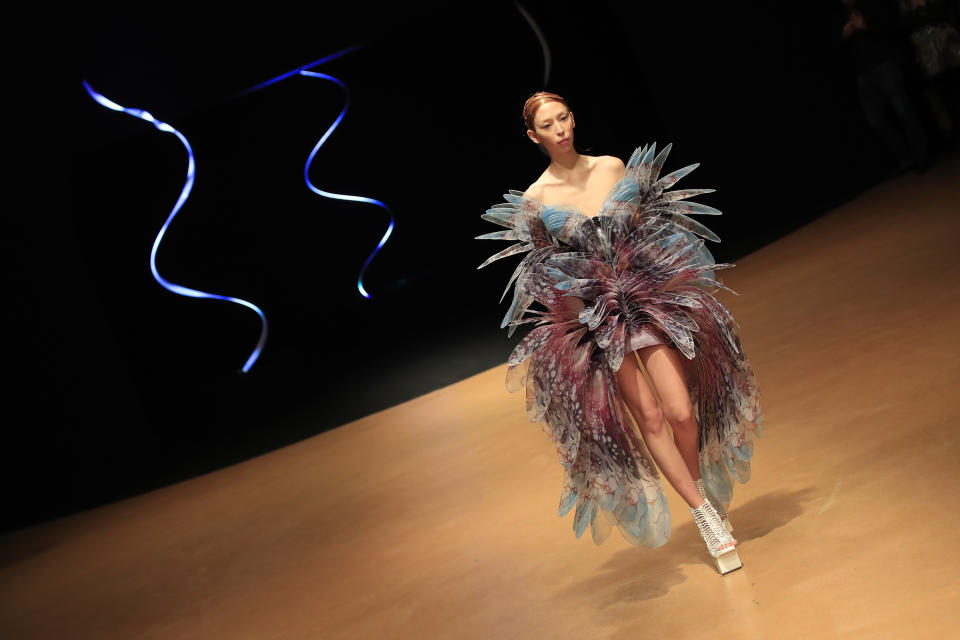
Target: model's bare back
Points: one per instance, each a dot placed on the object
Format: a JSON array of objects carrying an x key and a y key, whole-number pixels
[{"x": 585, "y": 190}]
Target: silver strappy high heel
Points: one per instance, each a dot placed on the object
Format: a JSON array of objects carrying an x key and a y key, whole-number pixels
[
  {"x": 720, "y": 543},
  {"x": 714, "y": 503}
]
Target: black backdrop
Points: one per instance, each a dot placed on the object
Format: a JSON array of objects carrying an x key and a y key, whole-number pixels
[{"x": 121, "y": 386}]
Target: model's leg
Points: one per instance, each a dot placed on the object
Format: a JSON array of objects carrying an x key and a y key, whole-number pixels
[
  {"x": 643, "y": 405},
  {"x": 666, "y": 370}
]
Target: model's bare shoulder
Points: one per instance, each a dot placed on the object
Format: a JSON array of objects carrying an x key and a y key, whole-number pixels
[
  {"x": 534, "y": 192},
  {"x": 614, "y": 164}
]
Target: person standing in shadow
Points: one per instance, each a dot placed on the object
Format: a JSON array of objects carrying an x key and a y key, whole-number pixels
[
  {"x": 868, "y": 39},
  {"x": 930, "y": 26}
]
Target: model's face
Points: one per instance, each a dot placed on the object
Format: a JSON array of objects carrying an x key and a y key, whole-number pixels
[{"x": 553, "y": 127}]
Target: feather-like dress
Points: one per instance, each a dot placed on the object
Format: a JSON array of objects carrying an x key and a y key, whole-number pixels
[{"x": 644, "y": 277}]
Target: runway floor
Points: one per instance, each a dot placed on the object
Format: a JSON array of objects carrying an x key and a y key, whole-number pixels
[{"x": 437, "y": 518}]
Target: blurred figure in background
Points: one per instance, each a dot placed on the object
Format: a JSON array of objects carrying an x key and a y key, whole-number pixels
[
  {"x": 930, "y": 27},
  {"x": 869, "y": 40}
]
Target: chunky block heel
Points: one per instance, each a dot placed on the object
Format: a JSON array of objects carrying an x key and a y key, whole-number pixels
[{"x": 728, "y": 562}]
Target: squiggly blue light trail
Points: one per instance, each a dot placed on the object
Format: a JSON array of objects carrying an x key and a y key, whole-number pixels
[
  {"x": 340, "y": 196},
  {"x": 305, "y": 71},
  {"x": 184, "y": 194}
]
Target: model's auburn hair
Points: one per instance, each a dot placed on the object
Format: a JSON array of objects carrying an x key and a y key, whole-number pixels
[{"x": 537, "y": 100}]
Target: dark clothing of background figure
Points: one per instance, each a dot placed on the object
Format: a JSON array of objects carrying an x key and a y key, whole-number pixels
[
  {"x": 934, "y": 37},
  {"x": 873, "y": 54}
]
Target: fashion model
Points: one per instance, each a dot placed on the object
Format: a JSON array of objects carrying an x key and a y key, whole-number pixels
[{"x": 623, "y": 278}]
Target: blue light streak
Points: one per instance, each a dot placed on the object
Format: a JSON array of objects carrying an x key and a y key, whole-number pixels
[
  {"x": 305, "y": 71},
  {"x": 341, "y": 196},
  {"x": 284, "y": 76},
  {"x": 544, "y": 47},
  {"x": 184, "y": 194}
]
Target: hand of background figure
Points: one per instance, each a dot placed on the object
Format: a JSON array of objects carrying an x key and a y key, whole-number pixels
[{"x": 854, "y": 23}]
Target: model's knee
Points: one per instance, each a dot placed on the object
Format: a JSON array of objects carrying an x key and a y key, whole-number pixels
[
  {"x": 682, "y": 419},
  {"x": 651, "y": 421}
]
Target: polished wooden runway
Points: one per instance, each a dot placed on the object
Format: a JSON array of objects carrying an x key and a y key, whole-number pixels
[{"x": 437, "y": 518}]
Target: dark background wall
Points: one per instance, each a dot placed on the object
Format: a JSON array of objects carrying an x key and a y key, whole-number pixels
[{"x": 121, "y": 386}]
